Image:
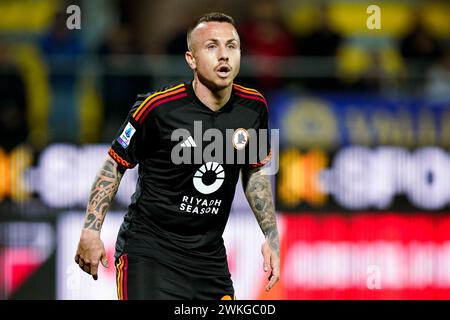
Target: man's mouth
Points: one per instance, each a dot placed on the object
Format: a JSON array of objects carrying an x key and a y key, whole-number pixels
[{"x": 223, "y": 71}]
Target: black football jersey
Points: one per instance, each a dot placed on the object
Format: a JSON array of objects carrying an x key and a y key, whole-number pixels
[{"x": 189, "y": 159}]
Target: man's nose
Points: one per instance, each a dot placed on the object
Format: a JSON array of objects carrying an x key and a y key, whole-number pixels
[{"x": 223, "y": 54}]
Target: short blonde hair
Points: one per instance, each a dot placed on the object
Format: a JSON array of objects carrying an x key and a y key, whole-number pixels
[{"x": 208, "y": 17}]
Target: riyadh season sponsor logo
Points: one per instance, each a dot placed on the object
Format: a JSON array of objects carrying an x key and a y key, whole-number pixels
[
  {"x": 217, "y": 176},
  {"x": 207, "y": 180}
]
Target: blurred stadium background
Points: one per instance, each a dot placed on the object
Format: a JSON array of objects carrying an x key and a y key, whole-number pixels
[{"x": 363, "y": 188}]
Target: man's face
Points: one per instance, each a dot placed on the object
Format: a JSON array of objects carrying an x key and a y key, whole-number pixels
[{"x": 215, "y": 54}]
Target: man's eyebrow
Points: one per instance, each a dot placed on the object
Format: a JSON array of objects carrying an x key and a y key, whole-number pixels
[
  {"x": 212, "y": 40},
  {"x": 217, "y": 40}
]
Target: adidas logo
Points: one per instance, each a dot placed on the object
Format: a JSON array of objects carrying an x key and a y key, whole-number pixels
[{"x": 189, "y": 142}]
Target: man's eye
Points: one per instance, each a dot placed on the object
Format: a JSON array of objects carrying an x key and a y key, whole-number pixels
[
  {"x": 211, "y": 46},
  {"x": 232, "y": 46}
]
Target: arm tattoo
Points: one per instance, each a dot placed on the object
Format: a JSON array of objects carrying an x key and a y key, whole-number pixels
[
  {"x": 258, "y": 191},
  {"x": 103, "y": 191}
]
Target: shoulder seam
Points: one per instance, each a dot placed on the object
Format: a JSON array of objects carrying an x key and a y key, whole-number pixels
[
  {"x": 248, "y": 90},
  {"x": 253, "y": 95},
  {"x": 158, "y": 98}
]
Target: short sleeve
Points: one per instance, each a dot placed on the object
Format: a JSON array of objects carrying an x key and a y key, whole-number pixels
[
  {"x": 263, "y": 137},
  {"x": 127, "y": 147}
]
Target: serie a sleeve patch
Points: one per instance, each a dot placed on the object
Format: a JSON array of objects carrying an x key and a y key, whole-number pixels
[{"x": 127, "y": 133}]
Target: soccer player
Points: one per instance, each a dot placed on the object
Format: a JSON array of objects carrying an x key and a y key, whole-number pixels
[{"x": 170, "y": 243}]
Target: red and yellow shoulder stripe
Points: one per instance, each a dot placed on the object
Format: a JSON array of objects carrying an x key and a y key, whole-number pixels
[
  {"x": 249, "y": 93},
  {"x": 158, "y": 98}
]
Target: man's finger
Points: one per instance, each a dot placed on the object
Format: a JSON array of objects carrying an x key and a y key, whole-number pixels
[
  {"x": 81, "y": 263},
  {"x": 273, "y": 280},
  {"x": 275, "y": 274},
  {"x": 275, "y": 264},
  {"x": 105, "y": 261},
  {"x": 77, "y": 258},
  {"x": 266, "y": 257},
  {"x": 87, "y": 268},
  {"x": 94, "y": 270}
]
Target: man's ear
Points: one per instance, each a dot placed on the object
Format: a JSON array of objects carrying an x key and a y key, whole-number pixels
[{"x": 190, "y": 60}]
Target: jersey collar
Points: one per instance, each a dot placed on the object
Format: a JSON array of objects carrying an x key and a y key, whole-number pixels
[{"x": 198, "y": 103}]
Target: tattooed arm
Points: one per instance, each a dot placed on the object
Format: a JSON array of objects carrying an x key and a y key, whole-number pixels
[
  {"x": 257, "y": 188},
  {"x": 90, "y": 248}
]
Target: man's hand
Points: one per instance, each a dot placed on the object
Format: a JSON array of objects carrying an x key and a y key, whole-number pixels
[
  {"x": 258, "y": 191},
  {"x": 271, "y": 263},
  {"x": 90, "y": 252},
  {"x": 90, "y": 248}
]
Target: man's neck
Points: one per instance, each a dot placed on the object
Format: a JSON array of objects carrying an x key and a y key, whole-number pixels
[{"x": 214, "y": 100}]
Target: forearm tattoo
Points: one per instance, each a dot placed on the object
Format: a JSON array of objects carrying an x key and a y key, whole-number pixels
[
  {"x": 258, "y": 191},
  {"x": 103, "y": 191}
]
